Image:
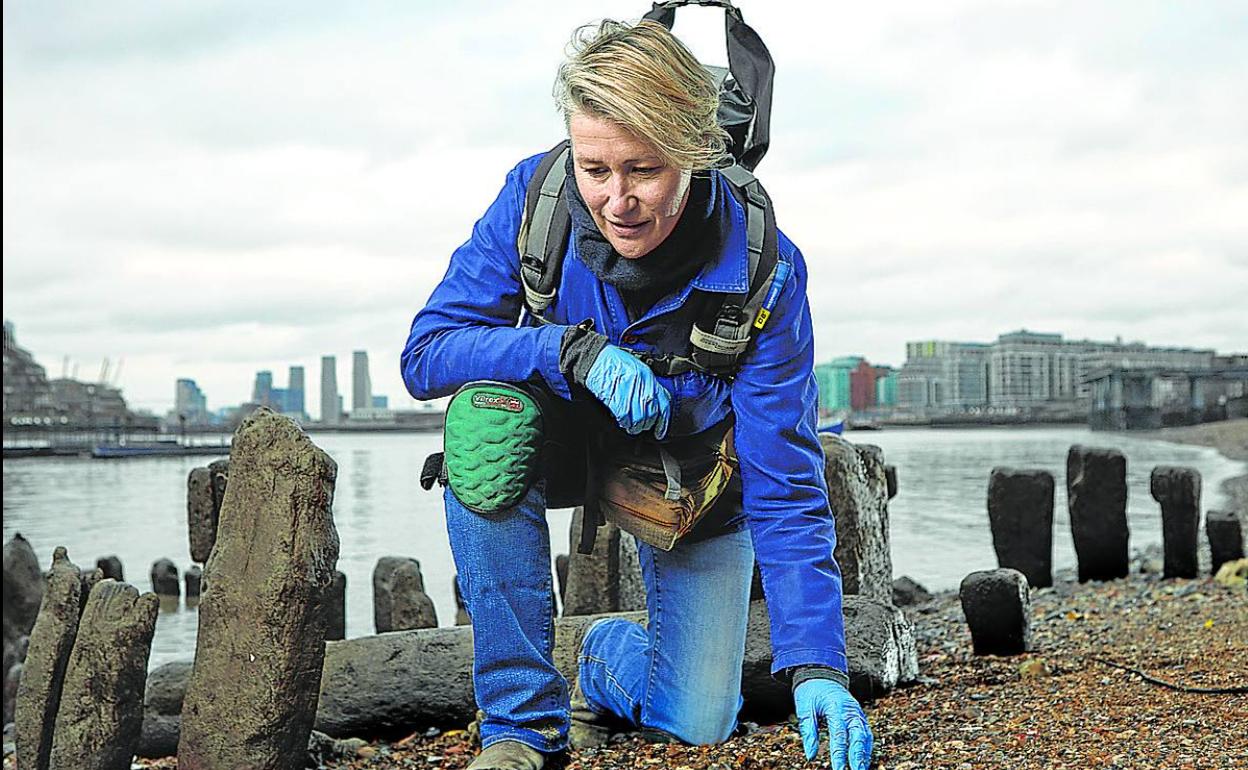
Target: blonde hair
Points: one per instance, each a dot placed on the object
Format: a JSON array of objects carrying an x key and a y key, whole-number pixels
[{"x": 643, "y": 79}]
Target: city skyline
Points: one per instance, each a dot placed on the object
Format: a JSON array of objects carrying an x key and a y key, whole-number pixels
[{"x": 946, "y": 169}]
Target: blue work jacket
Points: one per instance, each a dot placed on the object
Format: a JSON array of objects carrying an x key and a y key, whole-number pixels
[{"x": 472, "y": 329}]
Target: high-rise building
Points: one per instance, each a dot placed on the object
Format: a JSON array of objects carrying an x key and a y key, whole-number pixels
[
  {"x": 1022, "y": 369},
  {"x": 944, "y": 375},
  {"x": 331, "y": 404},
  {"x": 361, "y": 384},
  {"x": 834, "y": 384},
  {"x": 262, "y": 391},
  {"x": 294, "y": 391},
  {"x": 381, "y": 402},
  {"x": 190, "y": 402},
  {"x": 886, "y": 388},
  {"x": 1028, "y": 368}
]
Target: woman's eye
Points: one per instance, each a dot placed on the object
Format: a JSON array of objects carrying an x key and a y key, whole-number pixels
[
  {"x": 645, "y": 170},
  {"x": 597, "y": 173}
]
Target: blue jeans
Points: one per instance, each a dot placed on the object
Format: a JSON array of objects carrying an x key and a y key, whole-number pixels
[{"x": 681, "y": 674}]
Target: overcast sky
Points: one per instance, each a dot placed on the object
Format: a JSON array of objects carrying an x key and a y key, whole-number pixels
[{"x": 208, "y": 189}]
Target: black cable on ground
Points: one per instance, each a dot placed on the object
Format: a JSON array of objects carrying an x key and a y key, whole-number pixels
[{"x": 1242, "y": 690}]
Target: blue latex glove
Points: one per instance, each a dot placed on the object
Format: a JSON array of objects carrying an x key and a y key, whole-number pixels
[
  {"x": 849, "y": 736},
  {"x": 631, "y": 391}
]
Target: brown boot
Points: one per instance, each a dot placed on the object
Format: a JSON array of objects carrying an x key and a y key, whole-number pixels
[
  {"x": 589, "y": 729},
  {"x": 508, "y": 755}
]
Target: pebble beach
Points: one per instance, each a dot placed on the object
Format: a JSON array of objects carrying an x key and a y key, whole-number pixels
[{"x": 1080, "y": 700}]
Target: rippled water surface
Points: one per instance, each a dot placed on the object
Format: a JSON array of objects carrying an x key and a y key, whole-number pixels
[{"x": 137, "y": 508}]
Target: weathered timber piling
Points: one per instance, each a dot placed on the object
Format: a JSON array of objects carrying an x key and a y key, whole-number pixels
[
  {"x": 12, "y": 681},
  {"x": 561, "y": 574},
  {"x": 205, "y": 489},
  {"x": 194, "y": 578},
  {"x": 1020, "y": 513},
  {"x": 1226, "y": 538},
  {"x": 261, "y": 643},
  {"x": 858, "y": 492},
  {"x": 165, "y": 581},
  {"x": 201, "y": 514},
  {"x": 23, "y": 588},
  {"x": 1178, "y": 491},
  {"x": 335, "y": 607},
  {"x": 1096, "y": 491},
  {"x": 997, "y": 605},
  {"x": 399, "y": 599},
  {"x": 23, "y": 592},
  {"x": 43, "y": 674},
  {"x": 386, "y": 683},
  {"x": 606, "y": 580},
  {"x": 881, "y": 649},
  {"x": 88, "y": 579},
  {"x": 100, "y": 717},
  {"x": 111, "y": 567},
  {"x": 162, "y": 709}
]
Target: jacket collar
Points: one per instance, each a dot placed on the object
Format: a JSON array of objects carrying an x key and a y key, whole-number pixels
[{"x": 729, "y": 271}]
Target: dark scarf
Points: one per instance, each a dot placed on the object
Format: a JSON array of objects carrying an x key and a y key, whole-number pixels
[{"x": 696, "y": 239}]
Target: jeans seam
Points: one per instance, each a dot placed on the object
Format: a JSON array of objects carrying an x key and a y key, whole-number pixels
[
  {"x": 606, "y": 670},
  {"x": 552, "y": 699},
  {"x": 656, "y": 621},
  {"x": 519, "y": 734}
]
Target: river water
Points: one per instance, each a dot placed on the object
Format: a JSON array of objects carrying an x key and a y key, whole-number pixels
[{"x": 136, "y": 508}]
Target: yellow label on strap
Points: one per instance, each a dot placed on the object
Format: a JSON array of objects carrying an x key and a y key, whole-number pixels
[{"x": 761, "y": 320}]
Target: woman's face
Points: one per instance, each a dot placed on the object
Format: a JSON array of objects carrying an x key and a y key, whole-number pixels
[{"x": 634, "y": 197}]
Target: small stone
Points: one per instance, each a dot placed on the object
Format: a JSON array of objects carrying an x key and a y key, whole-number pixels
[
  {"x": 1233, "y": 574},
  {"x": 1033, "y": 668},
  {"x": 908, "y": 592}
]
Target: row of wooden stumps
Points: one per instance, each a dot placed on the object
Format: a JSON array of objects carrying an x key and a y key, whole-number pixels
[
  {"x": 400, "y": 601},
  {"x": 252, "y": 692},
  {"x": 996, "y": 603}
]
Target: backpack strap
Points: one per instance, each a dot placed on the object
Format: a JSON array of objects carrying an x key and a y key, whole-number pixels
[
  {"x": 719, "y": 339},
  {"x": 544, "y": 231}
]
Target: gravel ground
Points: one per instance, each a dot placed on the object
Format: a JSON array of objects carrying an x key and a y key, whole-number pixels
[{"x": 1056, "y": 708}]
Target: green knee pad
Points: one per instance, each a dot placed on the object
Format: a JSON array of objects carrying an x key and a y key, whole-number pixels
[{"x": 493, "y": 440}]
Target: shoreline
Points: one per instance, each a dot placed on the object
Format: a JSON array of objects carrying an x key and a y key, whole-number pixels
[
  {"x": 1064, "y": 705},
  {"x": 1229, "y": 437}
]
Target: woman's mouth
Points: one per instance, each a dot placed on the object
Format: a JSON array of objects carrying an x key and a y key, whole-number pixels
[{"x": 626, "y": 230}]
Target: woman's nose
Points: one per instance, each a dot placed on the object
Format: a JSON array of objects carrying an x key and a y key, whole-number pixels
[{"x": 620, "y": 199}]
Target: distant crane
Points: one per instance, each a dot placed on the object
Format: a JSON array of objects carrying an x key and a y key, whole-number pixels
[
  {"x": 103, "y": 379},
  {"x": 117, "y": 372}
]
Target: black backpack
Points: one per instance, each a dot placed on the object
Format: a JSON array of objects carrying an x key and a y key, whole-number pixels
[{"x": 721, "y": 336}]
